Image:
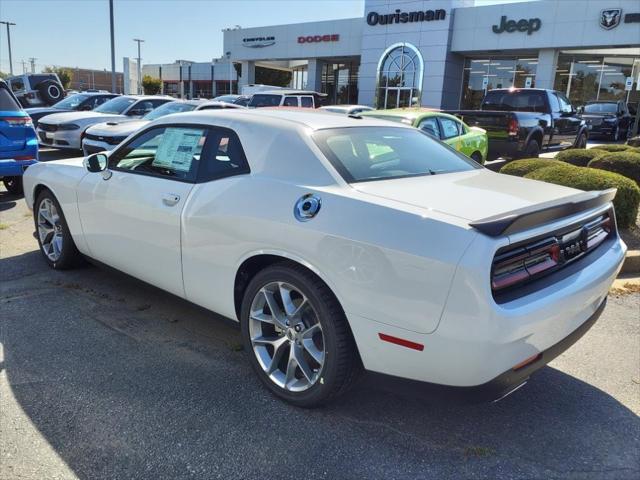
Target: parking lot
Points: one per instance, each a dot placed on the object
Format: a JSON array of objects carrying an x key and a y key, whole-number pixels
[{"x": 102, "y": 376}]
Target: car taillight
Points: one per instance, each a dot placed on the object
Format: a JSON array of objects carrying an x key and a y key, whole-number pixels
[
  {"x": 513, "y": 126},
  {"x": 17, "y": 121},
  {"x": 25, "y": 157},
  {"x": 518, "y": 265}
]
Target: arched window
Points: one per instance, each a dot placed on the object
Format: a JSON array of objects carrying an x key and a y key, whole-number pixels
[{"x": 400, "y": 73}]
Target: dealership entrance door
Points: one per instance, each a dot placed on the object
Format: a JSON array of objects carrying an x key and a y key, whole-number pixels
[{"x": 398, "y": 97}]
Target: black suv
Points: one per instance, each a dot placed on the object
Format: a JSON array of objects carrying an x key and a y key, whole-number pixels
[{"x": 608, "y": 118}]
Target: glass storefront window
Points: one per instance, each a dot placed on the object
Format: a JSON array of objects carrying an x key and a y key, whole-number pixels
[
  {"x": 340, "y": 82},
  {"x": 399, "y": 77},
  {"x": 586, "y": 77},
  {"x": 484, "y": 74},
  {"x": 299, "y": 80}
]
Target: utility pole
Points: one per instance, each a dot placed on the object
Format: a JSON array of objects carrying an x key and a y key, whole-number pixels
[
  {"x": 140, "y": 91},
  {"x": 230, "y": 74},
  {"x": 9, "y": 24},
  {"x": 32, "y": 60},
  {"x": 24, "y": 66},
  {"x": 113, "y": 50}
]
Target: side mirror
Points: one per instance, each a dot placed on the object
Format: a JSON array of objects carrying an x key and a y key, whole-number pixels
[
  {"x": 580, "y": 110},
  {"x": 96, "y": 162}
]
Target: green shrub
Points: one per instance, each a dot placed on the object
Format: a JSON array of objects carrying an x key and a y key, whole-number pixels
[
  {"x": 520, "y": 168},
  {"x": 579, "y": 156},
  {"x": 612, "y": 148},
  {"x": 625, "y": 163},
  {"x": 634, "y": 141},
  {"x": 627, "y": 198}
]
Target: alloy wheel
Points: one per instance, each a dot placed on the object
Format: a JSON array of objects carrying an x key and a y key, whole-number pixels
[
  {"x": 286, "y": 336},
  {"x": 50, "y": 229}
]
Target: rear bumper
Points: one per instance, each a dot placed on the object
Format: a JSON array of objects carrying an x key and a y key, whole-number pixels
[
  {"x": 505, "y": 148},
  {"x": 500, "y": 386},
  {"x": 14, "y": 168}
]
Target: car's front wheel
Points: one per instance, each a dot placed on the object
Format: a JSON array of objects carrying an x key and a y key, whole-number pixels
[
  {"x": 54, "y": 237},
  {"x": 297, "y": 336}
]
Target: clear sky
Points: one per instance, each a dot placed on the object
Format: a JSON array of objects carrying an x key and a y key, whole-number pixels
[{"x": 76, "y": 32}]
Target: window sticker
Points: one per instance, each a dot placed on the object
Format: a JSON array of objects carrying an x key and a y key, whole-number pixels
[{"x": 177, "y": 148}]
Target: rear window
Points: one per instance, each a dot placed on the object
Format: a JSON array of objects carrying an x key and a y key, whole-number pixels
[
  {"x": 7, "y": 101},
  {"x": 363, "y": 154},
  {"x": 265, "y": 100},
  {"x": 517, "y": 100}
]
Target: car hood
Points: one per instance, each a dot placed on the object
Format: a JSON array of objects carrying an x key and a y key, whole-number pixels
[
  {"x": 41, "y": 110},
  {"x": 471, "y": 195},
  {"x": 68, "y": 117},
  {"x": 118, "y": 128}
]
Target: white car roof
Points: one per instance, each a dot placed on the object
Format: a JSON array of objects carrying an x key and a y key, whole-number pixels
[{"x": 309, "y": 118}]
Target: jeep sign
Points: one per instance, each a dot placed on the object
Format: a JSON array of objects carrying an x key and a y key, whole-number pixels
[{"x": 522, "y": 25}]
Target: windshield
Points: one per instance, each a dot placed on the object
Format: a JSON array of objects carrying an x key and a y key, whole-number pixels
[
  {"x": 600, "y": 108},
  {"x": 72, "y": 102},
  {"x": 169, "y": 108},
  {"x": 265, "y": 100},
  {"x": 116, "y": 105},
  {"x": 363, "y": 154}
]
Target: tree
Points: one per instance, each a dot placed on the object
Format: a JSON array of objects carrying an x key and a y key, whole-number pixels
[
  {"x": 64, "y": 74},
  {"x": 151, "y": 85}
]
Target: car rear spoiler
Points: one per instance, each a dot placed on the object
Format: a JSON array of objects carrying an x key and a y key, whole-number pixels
[{"x": 535, "y": 215}]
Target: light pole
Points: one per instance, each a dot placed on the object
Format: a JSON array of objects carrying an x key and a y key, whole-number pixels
[
  {"x": 9, "y": 24},
  {"x": 139, "y": 41},
  {"x": 230, "y": 73},
  {"x": 113, "y": 49}
]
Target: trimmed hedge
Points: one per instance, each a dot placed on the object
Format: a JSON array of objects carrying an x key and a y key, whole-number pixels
[
  {"x": 625, "y": 163},
  {"x": 579, "y": 156},
  {"x": 519, "y": 168},
  {"x": 627, "y": 198},
  {"x": 612, "y": 148}
]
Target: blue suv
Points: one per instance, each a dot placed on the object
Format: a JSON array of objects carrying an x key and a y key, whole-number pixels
[{"x": 18, "y": 141}]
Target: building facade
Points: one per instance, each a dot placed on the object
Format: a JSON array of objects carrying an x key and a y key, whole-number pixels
[{"x": 448, "y": 53}]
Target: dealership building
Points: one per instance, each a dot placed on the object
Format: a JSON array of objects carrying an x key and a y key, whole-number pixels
[{"x": 447, "y": 53}]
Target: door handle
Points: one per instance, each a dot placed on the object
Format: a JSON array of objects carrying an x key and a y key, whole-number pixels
[{"x": 170, "y": 199}]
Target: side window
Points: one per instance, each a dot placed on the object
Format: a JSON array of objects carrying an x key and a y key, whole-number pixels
[
  {"x": 226, "y": 158},
  {"x": 449, "y": 127},
  {"x": 554, "y": 103},
  {"x": 157, "y": 102},
  {"x": 168, "y": 152},
  {"x": 101, "y": 100},
  {"x": 290, "y": 102},
  {"x": 306, "y": 102},
  {"x": 565, "y": 105},
  {"x": 430, "y": 126}
]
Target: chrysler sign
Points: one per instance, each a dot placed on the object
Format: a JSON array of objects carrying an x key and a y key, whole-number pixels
[{"x": 258, "y": 42}]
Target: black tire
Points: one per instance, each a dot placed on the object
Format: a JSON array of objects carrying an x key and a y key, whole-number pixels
[
  {"x": 532, "y": 150},
  {"x": 69, "y": 255},
  {"x": 341, "y": 361},
  {"x": 51, "y": 91},
  {"x": 13, "y": 185},
  {"x": 581, "y": 142}
]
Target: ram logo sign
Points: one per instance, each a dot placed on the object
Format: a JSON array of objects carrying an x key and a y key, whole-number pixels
[{"x": 610, "y": 18}]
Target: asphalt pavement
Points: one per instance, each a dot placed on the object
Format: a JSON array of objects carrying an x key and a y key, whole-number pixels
[{"x": 104, "y": 377}]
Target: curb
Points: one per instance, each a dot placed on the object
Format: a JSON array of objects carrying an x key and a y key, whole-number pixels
[{"x": 631, "y": 264}]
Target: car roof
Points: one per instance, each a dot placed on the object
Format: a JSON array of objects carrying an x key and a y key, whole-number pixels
[
  {"x": 206, "y": 103},
  {"x": 291, "y": 118},
  {"x": 411, "y": 113},
  {"x": 291, "y": 92}
]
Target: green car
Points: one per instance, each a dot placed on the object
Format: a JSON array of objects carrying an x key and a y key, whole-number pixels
[{"x": 471, "y": 141}]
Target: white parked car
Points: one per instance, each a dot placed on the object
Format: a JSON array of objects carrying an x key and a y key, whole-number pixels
[
  {"x": 106, "y": 136},
  {"x": 340, "y": 242},
  {"x": 65, "y": 130},
  {"x": 286, "y": 98},
  {"x": 346, "y": 109}
]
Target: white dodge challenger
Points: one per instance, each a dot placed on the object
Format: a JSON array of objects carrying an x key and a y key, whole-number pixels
[{"x": 340, "y": 243}]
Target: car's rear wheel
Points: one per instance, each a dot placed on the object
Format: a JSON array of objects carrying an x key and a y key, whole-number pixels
[
  {"x": 56, "y": 244},
  {"x": 582, "y": 141},
  {"x": 297, "y": 336},
  {"x": 532, "y": 150},
  {"x": 13, "y": 185}
]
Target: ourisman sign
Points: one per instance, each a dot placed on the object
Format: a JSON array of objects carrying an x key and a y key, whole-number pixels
[{"x": 374, "y": 18}]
